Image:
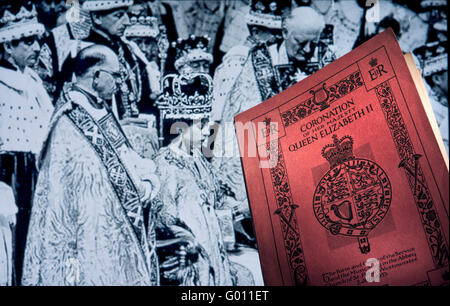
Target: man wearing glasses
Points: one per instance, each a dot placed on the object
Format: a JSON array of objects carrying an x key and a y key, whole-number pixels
[
  {"x": 25, "y": 110},
  {"x": 298, "y": 55},
  {"x": 87, "y": 221}
]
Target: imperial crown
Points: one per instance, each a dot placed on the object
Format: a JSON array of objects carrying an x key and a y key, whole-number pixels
[
  {"x": 142, "y": 27},
  {"x": 187, "y": 97},
  {"x": 22, "y": 24},
  {"x": 373, "y": 62},
  {"x": 340, "y": 151}
]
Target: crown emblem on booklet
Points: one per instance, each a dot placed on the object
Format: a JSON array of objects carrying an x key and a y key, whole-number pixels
[
  {"x": 186, "y": 96},
  {"x": 340, "y": 151},
  {"x": 373, "y": 62}
]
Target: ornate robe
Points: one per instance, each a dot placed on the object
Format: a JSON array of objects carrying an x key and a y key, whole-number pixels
[
  {"x": 235, "y": 26},
  {"x": 25, "y": 111},
  {"x": 346, "y": 17},
  {"x": 187, "y": 205},
  {"x": 247, "y": 91},
  {"x": 87, "y": 225},
  {"x": 235, "y": 84},
  {"x": 225, "y": 76},
  {"x": 62, "y": 42},
  {"x": 258, "y": 81}
]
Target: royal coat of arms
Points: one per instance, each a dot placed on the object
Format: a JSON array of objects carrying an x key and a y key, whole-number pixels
[{"x": 354, "y": 196}]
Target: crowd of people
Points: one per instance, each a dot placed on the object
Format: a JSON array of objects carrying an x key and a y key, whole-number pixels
[{"x": 115, "y": 134}]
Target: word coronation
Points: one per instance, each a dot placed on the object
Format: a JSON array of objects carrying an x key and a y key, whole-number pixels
[{"x": 330, "y": 122}]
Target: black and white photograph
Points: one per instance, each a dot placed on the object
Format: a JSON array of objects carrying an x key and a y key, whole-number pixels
[{"x": 119, "y": 162}]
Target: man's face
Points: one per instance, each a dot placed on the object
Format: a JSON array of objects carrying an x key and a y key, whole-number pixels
[
  {"x": 24, "y": 52},
  {"x": 300, "y": 46},
  {"x": 113, "y": 23}
]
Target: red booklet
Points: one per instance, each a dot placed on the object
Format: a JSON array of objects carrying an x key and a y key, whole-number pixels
[{"x": 346, "y": 183}]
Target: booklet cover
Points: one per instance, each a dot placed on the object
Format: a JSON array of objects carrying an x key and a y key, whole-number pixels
[{"x": 346, "y": 182}]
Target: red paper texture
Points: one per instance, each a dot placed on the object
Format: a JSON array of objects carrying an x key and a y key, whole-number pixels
[{"x": 381, "y": 192}]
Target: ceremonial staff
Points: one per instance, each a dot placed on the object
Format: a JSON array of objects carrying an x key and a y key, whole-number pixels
[{"x": 163, "y": 46}]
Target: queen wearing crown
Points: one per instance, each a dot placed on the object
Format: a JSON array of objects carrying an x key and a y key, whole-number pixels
[{"x": 191, "y": 245}]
